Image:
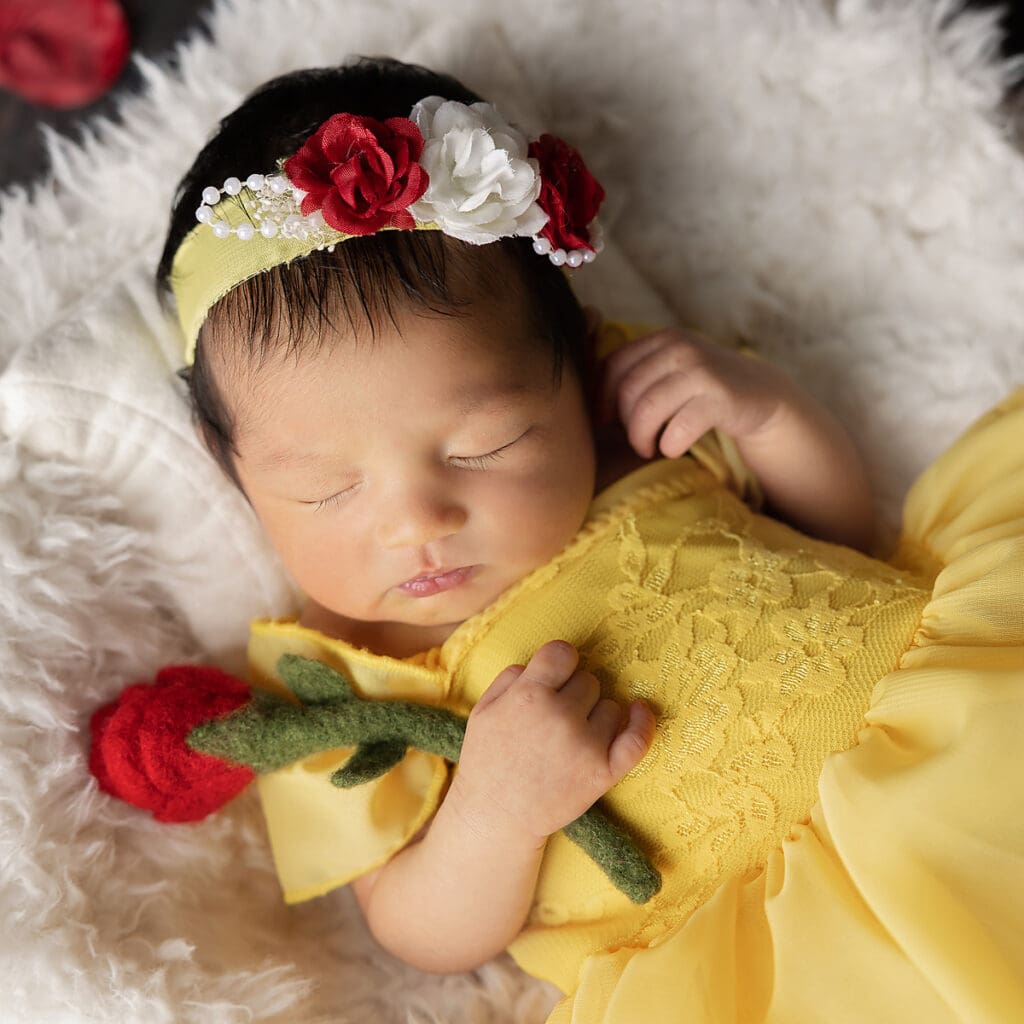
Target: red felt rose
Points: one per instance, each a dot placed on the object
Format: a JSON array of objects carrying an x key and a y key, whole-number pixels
[
  {"x": 139, "y": 752},
  {"x": 362, "y": 173},
  {"x": 61, "y": 53},
  {"x": 570, "y": 195}
]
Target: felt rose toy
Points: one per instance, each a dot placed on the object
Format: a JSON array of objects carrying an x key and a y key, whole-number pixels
[
  {"x": 62, "y": 53},
  {"x": 188, "y": 743}
]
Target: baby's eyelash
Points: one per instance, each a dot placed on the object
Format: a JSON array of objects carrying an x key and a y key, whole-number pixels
[
  {"x": 479, "y": 461},
  {"x": 331, "y": 500},
  {"x": 324, "y": 502}
]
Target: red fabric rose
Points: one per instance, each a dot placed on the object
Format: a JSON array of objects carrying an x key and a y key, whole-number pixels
[
  {"x": 62, "y": 53},
  {"x": 570, "y": 195},
  {"x": 362, "y": 173},
  {"x": 139, "y": 752}
]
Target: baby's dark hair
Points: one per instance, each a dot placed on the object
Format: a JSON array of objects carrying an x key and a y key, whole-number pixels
[{"x": 366, "y": 280}]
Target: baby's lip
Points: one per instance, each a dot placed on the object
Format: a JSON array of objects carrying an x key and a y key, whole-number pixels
[{"x": 434, "y": 581}]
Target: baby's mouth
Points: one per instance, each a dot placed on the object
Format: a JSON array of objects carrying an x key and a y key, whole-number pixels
[{"x": 436, "y": 582}]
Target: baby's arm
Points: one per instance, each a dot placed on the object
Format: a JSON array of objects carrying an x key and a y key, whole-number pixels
[
  {"x": 681, "y": 385},
  {"x": 541, "y": 746}
]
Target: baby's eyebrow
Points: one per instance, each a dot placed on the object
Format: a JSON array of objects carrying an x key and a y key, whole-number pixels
[
  {"x": 467, "y": 401},
  {"x": 473, "y": 399},
  {"x": 294, "y": 460}
]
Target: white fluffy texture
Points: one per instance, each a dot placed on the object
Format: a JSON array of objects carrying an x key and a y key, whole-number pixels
[
  {"x": 833, "y": 180},
  {"x": 98, "y": 391}
]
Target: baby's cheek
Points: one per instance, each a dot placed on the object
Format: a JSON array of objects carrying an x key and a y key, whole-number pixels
[
  {"x": 543, "y": 513},
  {"x": 323, "y": 557}
]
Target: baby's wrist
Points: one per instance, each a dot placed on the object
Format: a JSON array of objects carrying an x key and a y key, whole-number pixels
[{"x": 487, "y": 822}]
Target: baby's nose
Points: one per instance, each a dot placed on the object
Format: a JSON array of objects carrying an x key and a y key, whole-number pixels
[{"x": 417, "y": 519}]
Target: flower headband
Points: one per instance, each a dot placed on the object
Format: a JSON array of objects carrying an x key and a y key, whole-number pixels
[{"x": 449, "y": 167}]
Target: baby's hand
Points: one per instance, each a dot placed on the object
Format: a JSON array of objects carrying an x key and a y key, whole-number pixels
[
  {"x": 542, "y": 746},
  {"x": 681, "y": 385}
]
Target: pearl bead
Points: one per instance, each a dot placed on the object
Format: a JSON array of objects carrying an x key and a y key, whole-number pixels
[
  {"x": 222, "y": 229},
  {"x": 245, "y": 232},
  {"x": 232, "y": 186},
  {"x": 541, "y": 246},
  {"x": 204, "y": 215},
  {"x": 268, "y": 229},
  {"x": 574, "y": 258},
  {"x": 279, "y": 185},
  {"x": 557, "y": 257},
  {"x": 588, "y": 256},
  {"x": 598, "y": 244},
  {"x": 210, "y": 195},
  {"x": 255, "y": 181}
]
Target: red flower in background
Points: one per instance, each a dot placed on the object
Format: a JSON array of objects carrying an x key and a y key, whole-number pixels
[
  {"x": 361, "y": 173},
  {"x": 62, "y": 53},
  {"x": 570, "y": 195},
  {"x": 139, "y": 752}
]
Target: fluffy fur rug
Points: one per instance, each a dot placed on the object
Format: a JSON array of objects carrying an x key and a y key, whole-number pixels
[{"x": 832, "y": 179}]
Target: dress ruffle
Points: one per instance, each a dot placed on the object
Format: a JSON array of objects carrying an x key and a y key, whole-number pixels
[{"x": 899, "y": 898}]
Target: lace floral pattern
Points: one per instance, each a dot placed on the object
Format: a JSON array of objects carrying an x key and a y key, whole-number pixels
[{"x": 759, "y": 659}]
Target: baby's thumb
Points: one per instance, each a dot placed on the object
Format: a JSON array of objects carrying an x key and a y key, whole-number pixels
[{"x": 633, "y": 742}]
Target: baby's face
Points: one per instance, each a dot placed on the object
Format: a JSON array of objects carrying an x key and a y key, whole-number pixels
[{"x": 413, "y": 478}]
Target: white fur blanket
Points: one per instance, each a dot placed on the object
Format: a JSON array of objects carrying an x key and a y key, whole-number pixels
[{"x": 834, "y": 180}]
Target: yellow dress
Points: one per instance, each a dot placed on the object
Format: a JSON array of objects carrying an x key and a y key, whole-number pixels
[{"x": 834, "y": 793}]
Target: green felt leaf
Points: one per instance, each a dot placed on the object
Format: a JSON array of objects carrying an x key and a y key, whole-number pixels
[
  {"x": 370, "y": 761},
  {"x": 313, "y": 682}
]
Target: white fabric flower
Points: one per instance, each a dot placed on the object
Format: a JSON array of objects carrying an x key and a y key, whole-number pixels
[{"x": 483, "y": 186}]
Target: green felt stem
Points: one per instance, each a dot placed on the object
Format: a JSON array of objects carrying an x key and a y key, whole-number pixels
[
  {"x": 612, "y": 850},
  {"x": 269, "y": 733}
]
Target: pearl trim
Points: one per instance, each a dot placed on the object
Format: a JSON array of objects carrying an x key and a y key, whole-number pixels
[{"x": 274, "y": 206}]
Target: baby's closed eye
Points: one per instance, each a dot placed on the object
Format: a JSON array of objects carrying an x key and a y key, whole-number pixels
[
  {"x": 318, "y": 504},
  {"x": 480, "y": 461}
]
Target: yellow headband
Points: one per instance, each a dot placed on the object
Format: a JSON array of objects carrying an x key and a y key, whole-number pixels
[
  {"x": 449, "y": 167},
  {"x": 206, "y": 267}
]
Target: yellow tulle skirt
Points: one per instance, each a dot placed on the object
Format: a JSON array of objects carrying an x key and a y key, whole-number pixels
[{"x": 901, "y": 898}]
